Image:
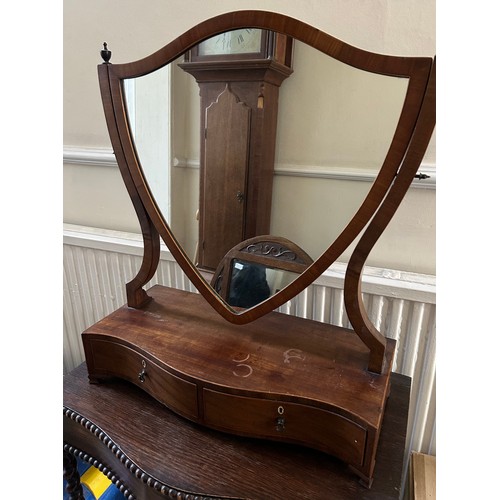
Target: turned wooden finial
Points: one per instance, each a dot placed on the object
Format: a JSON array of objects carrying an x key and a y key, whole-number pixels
[{"x": 105, "y": 53}]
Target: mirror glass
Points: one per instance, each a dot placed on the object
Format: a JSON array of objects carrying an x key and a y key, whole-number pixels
[
  {"x": 334, "y": 127},
  {"x": 251, "y": 283},
  {"x": 248, "y": 285}
]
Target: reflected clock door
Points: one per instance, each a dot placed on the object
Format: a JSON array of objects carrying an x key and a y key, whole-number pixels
[
  {"x": 239, "y": 74},
  {"x": 222, "y": 201}
]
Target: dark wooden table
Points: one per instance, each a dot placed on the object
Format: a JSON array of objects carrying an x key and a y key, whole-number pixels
[{"x": 151, "y": 453}]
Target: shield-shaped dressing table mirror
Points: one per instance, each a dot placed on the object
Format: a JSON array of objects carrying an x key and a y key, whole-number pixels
[{"x": 246, "y": 369}]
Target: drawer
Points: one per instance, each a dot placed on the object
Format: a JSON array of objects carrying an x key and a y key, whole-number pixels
[
  {"x": 112, "y": 359},
  {"x": 285, "y": 421}
]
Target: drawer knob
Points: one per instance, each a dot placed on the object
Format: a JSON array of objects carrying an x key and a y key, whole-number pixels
[
  {"x": 280, "y": 424},
  {"x": 142, "y": 373},
  {"x": 280, "y": 421}
]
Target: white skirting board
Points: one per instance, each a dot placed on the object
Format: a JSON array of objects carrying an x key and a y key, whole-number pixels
[{"x": 98, "y": 263}]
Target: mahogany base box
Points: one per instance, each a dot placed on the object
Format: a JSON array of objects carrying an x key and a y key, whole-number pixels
[{"x": 280, "y": 378}]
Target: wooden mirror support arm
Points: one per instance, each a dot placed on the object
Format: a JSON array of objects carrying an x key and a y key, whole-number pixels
[
  {"x": 352, "y": 288},
  {"x": 136, "y": 296}
]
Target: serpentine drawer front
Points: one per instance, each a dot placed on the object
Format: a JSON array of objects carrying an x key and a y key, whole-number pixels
[
  {"x": 183, "y": 354},
  {"x": 281, "y": 420},
  {"x": 261, "y": 418},
  {"x": 113, "y": 359}
]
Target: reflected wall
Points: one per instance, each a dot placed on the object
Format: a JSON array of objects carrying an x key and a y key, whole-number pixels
[{"x": 334, "y": 121}]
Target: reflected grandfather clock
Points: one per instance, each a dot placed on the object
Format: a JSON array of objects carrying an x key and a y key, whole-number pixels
[{"x": 239, "y": 73}]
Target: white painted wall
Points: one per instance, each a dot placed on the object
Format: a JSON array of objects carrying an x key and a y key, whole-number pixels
[{"x": 95, "y": 196}]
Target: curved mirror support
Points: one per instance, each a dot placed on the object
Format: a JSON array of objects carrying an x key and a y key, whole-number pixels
[{"x": 344, "y": 113}]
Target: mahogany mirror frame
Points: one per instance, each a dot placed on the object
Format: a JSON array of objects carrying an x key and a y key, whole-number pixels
[{"x": 409, "y": 143}]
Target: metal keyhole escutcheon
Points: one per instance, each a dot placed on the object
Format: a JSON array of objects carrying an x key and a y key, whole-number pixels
[
  {"x": 280, "y": 421},
  {"x": 240, "y": 197}
]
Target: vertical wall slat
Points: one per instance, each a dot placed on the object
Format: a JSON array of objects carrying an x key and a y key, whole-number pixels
[
  {"x": 422, "y": 363},
  {"x": 96, "y": 297},
  {"x": 424, "y": 393},
  {"x": 118, "y": 279},
  {"x": 412, "y": 339},
  {"x": 72, "y": 355},
  {"x": 306, "y": 303},
  {"x": 321, "y": 299},
  {"x": 339, "y": 311},
  {"x": 75, "y": 310},
  {"x": 394, "y": 322},
  {"x": 376, "y": 313}
]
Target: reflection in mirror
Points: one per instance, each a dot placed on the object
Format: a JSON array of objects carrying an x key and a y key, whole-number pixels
[
  {"x": 163, "y": 115},
  {"x": 257, "y": 268},
  {"x": 334, "y": 127},
  {"x": 251, "y": 283},
  {"x": 148, "y": 108},
  {"x": 248, "y": 284}
]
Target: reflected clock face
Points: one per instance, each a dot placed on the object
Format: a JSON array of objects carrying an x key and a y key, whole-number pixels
[{"x": 241, "y": 41}]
